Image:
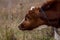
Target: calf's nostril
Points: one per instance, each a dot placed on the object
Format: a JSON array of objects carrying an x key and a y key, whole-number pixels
[{"x": 22, "y": 26}]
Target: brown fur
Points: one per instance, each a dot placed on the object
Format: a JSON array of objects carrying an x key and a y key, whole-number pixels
[{"x": 34, "y": 18}]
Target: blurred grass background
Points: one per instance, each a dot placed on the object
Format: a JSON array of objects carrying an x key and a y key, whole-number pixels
[{"x": 11, "y": 14}]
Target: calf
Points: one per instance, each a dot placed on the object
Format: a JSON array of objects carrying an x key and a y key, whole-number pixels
[{"x": 47, "y": 14}]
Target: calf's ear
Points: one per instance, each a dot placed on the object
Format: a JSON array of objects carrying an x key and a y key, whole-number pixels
[{"x": 48, "y": 4}]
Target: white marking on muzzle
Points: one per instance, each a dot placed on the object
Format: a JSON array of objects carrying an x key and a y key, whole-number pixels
[
  {"x": 22, "y": 21},
  {"x": 32, "y": 7}
]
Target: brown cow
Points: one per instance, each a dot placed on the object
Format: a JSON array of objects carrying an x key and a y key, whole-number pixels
[{"x": 48, "y": 14}]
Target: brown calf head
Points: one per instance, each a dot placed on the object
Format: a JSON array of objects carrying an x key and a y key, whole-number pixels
[{"x": 32, "y": 20}]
